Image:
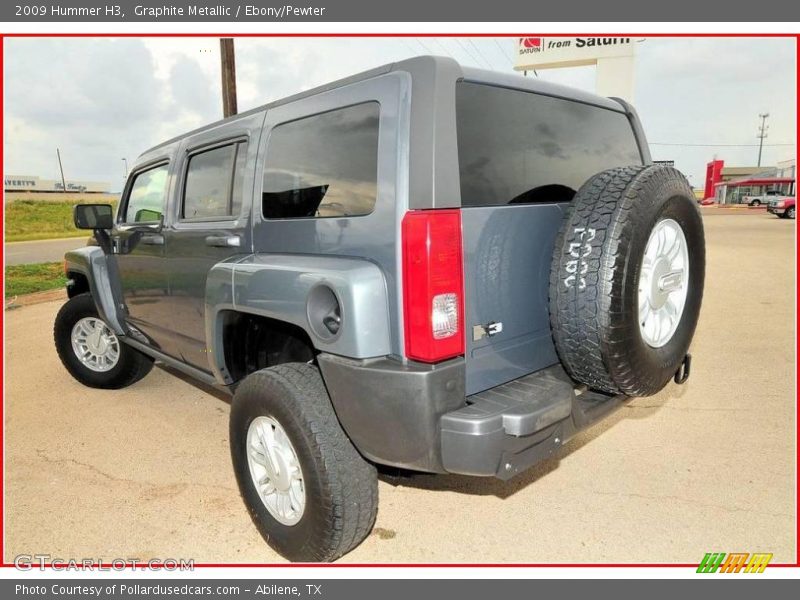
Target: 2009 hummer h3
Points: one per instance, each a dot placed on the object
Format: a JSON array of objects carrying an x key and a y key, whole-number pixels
[{"x": 427, "y": 266}]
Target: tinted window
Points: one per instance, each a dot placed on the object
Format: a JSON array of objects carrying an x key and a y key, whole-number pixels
[
  {"x": 323, "y": 166},
  {"x": 237, "y": 195},
  {"x": 517, "y": 147},
  {"x": 210, "y": 183},
  {"x": 148, "y": 195}
]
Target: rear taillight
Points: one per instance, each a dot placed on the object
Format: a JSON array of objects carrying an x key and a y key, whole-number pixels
[{"x": 433, "y": 285}]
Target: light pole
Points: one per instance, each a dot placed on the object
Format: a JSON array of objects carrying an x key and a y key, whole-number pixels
[
  {"x": 61, "y": 168},
  {"x": 125, "y": 162},
  {"x": 762, "y": 133}
]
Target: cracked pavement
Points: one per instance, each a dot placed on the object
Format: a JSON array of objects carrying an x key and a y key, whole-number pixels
[{"x": 709, "y": 466}]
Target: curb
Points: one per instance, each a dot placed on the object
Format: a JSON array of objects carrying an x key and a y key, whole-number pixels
[
  {"x": 35, "y": 298},
  {"x": 733, "y": 210}
]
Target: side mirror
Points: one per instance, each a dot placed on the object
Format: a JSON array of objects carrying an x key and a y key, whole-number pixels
[{"x": 93, "y": 216}]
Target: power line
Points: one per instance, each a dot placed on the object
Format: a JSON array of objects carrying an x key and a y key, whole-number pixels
[
  {"x": 500, "y": 48},
  {"x": 467, "y": 50},
  {"x": 409, "y": 46},
  {"x": 459, "y": 49},
  {"x": 716, "y": 145},
  {"x": 483, "y": 58},
  {"x": 425, "y": 46},
  {"x": 443, "y": 47}
]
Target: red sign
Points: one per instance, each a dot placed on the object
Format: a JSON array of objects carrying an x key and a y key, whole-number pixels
[{"x": 531, "y": 42}]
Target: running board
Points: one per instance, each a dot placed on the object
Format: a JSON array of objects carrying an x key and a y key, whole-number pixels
[{"x": 189, "y": 370}]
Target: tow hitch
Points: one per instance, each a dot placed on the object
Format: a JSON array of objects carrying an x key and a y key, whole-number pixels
[{"x": 682, "y": 374}]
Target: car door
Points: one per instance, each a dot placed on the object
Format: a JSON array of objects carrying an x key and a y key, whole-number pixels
[
  {"x": 209, "y": 222},
  {"x": 138, "y": 244}
]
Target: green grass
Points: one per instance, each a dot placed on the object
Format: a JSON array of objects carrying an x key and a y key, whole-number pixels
[
  {"x": 26, "y": 279},
  {"x": 39, "y": 220}
]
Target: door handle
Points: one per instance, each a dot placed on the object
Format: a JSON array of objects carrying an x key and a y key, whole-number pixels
[
  {"x": 224, "y": 241},
  {"x": 153, "y": 239}
]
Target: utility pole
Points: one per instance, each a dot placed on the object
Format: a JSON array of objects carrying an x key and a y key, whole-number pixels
[
  {"x": 125, "y": 161},
  {"x": 762, "y": 133},
  {"x": 61, "y": 168},
  {"x": 228, "y": 63}
]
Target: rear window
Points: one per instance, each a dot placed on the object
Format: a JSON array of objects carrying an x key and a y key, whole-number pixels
[{"x": 518, "y": 147}]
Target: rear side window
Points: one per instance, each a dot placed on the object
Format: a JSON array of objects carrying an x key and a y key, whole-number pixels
[
  {"x": 148, "y": 195},
  {"x": 517, "y": 147},
  {"x": 323, "y": 166},
  {"x": 213, "y": 186}
]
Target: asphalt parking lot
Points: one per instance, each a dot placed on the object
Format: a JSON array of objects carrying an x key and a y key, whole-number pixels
[{"x": 710, "y": 466}]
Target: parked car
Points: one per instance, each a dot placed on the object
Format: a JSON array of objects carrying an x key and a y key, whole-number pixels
[
  {"x": 426, "y": 266},
  {"x": 783, "y": 207},
  {"x": 764, "y": 198}
]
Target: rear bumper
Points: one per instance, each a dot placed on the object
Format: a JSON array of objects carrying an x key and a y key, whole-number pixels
[
  {"x": 417, "y": 416},
  {"x": 510, "y": 428}
]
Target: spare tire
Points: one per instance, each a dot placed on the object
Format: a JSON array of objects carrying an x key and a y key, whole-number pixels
[{"x": 626, "y": 281}]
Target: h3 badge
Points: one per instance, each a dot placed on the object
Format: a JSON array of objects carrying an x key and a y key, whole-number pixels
[{"x": 481, "y": 331}]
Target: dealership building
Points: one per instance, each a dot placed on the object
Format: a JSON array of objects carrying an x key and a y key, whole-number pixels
[
  {"x": 31, "y": 183},
  {"x": 728, "y": 185}
]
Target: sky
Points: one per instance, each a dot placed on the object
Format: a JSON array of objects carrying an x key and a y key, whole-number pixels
[{"x": 104, "y": 99}]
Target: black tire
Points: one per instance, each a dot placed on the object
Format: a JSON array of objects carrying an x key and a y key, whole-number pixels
[
  {"x": 130, "y": 368},
  {"x": 341, "y": 488},
  {"x": 790, "y": 213},
  {"x": 594, "y": 316},
  {"x": 755, "y": 203}
]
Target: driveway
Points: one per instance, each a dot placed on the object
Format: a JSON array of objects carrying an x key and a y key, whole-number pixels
[{"x": 39, "y": 251}]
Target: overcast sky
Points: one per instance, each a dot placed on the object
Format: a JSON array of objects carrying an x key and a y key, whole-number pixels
[{"x": 102, "y": 99}]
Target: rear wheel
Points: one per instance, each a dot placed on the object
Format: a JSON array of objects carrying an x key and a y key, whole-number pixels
[
  {"x": 627, "y": 279},
  {"x": 755, "y": 203},
  {"x": 91, "y": 352},
  {"x": 309, "y": 492}
]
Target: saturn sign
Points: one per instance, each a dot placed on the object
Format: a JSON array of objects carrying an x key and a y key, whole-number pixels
[{"x": 613, "y": 56}]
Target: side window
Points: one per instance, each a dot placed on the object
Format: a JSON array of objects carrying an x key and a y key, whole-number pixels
[
  {"x": 148, "y": 196},
  {"x": 323, "y": 166},
  {"x": 213, "y": 186},
  {"x": 238, "y": 178}
]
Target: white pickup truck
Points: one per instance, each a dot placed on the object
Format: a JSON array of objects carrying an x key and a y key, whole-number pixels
[{"x": 764, "y": 198}]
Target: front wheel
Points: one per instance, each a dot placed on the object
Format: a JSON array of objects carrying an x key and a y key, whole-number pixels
[
  {"x": 790, "y": 213},
  {"x": 91, "y": 352},
  {"x": 309, "y": 492}
]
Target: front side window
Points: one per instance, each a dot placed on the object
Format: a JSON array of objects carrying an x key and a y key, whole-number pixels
[
  {"x": 517, "y": 147},
  {"x": 323, "y": 166},
  {"x": 213, "y": 186},
  {"x": 148, "y": 196}
]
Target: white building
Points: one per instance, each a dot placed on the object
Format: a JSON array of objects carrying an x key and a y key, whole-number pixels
[{"x": 31, "y": 183}]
